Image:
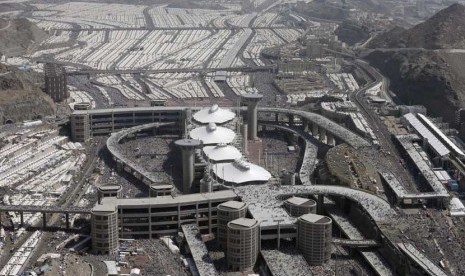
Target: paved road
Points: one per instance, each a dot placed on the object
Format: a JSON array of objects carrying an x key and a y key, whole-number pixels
[{"x": 390, "y": 155}]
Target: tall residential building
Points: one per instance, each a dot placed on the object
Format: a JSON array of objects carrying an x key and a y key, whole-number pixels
[{"x": 55, "y": 82}]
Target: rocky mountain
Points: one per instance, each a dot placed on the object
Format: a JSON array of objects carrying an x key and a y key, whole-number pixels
[
  {"x": 351, "y": 33},
  {"x": 20, "y": 97},
  {"x": 419, "y": 77},
  {"x": 17, "y": 35},
  {"x": 445, "y": 29}
]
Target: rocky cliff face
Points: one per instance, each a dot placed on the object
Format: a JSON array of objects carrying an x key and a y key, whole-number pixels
[
  {"x": 444, "y": 30},
  {"x": 18, "y": 35},
  {"x": 20, "y": 98},
  {"x": 420, "y": 77},
  {"x": 432, "y": 75}
]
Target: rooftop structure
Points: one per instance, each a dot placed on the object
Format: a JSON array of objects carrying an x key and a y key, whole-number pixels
[
  {"x": 214, "y": 114},
  {"x": 441, "y": 136},
  {"x": 298, "y": 206},
  {"x": 420, "y": 259},
  {"x": 427, "y": 135},
  {"x": 415, "y": 154},
  {"x": 203, "y": 262},
  {"x": 241, "y": 172},
  {"x": 212, "y": 134},
  {"x": 221, "y": 153},
  {"x": 264, "y": 203}
]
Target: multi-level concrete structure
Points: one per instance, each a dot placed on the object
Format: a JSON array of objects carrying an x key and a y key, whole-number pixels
[
  {"x": 109, "y": 191},
  {"x": 187, "y": 147},
  {"x": 160, "y": 190},
  {"x": 298, "y": 206},
  {"x": 228, "y": 212},
  {"x": 55, "y": 82},
  {"x": 104, "y": 229},
  {"x": 251, "y": 100},
  {"x": 243, "y": 244},
  {"x": 314, "y": 238},
  {"x": 80, "y": 130},
  {"x": 88, "y": 123},
  {"x": 152, "y": 217}
]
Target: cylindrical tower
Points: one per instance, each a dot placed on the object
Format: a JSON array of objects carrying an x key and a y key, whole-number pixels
[
  {"x": 227, "y": 212},
  {"x": 104, "y": 229},
  {"x": 80, "y": 127},
  {"x": 160, "y": 190},
  {"x": 298, "y": 206},
  {"x": 314, "y": 238},
  {"x": 206, "y": 186},
  {"x": 251, "y": 100},
  {"x": 243, "y": 244},
  {"x": 109, "y": 191},
  {"x": 187, "y": 147}
]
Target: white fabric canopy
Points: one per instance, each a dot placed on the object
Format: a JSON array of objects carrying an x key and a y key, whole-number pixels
[
  {"x": 213, "y": 134},
  {"x": 222, "y": 152},
  {"x": 240, "y": 171},
  {"x": 214, "y": 114}
]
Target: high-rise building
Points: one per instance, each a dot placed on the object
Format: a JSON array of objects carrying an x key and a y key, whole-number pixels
[
  {"x": 226, "y": 213},
  {"x": 314, "y": 238},
  {"x": 243, "y": 244},
  {"x": 104, "y": 229},
  {"x": 55, "y": 82}
]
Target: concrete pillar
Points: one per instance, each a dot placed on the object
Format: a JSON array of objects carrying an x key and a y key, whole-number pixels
[
  {"x": 330, "y": 140},
  {"x": 314, "y": 129},
  {"x": 323, "y": 135},
  {"x": 119, "y": 166},
  {"x": 320, "y": 204},
  {"x": 291, "y": 120},
  {"x": 67, "y": 220},
  {"x": 244, "y": 138},
  {"x": 252, "y": 101},
  {"x": 210, "y": 217},
  {"x": 187, "y": 147},
  {"x": 304, "y": 125}
]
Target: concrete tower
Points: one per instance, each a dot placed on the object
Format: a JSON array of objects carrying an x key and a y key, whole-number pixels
[
  {"x": 187, "y": 147},
  {"x": 251, "y": 100},
  {"x": 243, "y": 244},
  {"x": 104, "y": 229},
  {"x": 226, "y": 213},
  {"x": 314, "y": 238}
]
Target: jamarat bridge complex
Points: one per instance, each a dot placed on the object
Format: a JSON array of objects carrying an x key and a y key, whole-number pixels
[{"x": 279, "y": 210}]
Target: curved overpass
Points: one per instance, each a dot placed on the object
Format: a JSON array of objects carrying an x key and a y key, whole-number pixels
[
  {"x": 321, "y": 125},
  {"x": 105, "y": 121},
  {"x": 125, "y": 163},
  {"x": 310, "y": 153}
]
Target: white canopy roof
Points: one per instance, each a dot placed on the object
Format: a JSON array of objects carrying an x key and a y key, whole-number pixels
[
  {"x": 214, "y": 114},
  {"x": 222, "y": 152},
  {"x": 213, "y": 134},
  {"x": 241, "y": 171}
]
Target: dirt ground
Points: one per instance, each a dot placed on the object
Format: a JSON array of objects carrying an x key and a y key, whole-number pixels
[{"x": 70, "y": 264}]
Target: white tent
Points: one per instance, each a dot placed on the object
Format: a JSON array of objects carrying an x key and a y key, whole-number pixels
[
  {"x": 221, "y": 153},
  {"x": 241, "y": 171},
  {"x": 214, "y": 114},
  {"x": 213, "y": 134}
]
